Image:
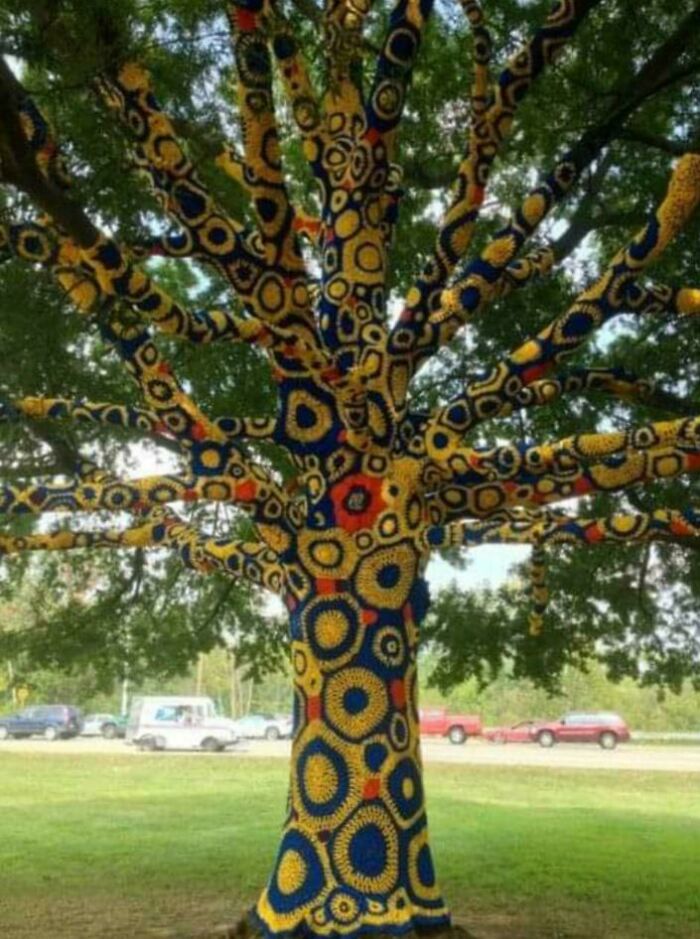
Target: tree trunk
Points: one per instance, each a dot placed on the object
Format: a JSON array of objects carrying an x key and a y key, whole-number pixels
[{"x": 354, "y": 856}]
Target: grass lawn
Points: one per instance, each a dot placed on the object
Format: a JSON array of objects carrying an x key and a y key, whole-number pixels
[{"x": 102, "y": 846}]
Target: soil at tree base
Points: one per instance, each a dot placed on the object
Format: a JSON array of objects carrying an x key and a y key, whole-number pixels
[{"x": 244, "y": 930}]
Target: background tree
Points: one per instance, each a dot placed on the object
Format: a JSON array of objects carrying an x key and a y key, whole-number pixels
[{"x": 374, "y": 441}]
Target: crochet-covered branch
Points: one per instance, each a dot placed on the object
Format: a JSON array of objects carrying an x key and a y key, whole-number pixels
[
  {"x": 342, "y": 28},
  {"x": 481, "y": 481},
  {"x": 606, "y": 298},
  {"x": 222, "y": 482},
  {"x": 475, "y": 491},
  {"x": 246, "y": 560},
  {"x": 422, "y": 328},
  {"x": 105, "y": 414},
  {"x": 395, "y": 63},
  {"x": 253, "y": 24},
  {"x": 616, "y": 382},
  {"x": 209, "y": 232},
  {"x": 109, "y": 264},
  {"x": 544, "y": 529},
  {"x": 493, "y": 111},
  {"x": 297, "y": 84}
]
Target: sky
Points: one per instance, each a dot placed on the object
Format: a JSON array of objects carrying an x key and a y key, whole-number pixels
[{"x": 487, "y": 566}]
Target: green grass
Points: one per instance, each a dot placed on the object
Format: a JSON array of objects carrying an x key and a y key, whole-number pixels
[{"x": 120, "y": 846}]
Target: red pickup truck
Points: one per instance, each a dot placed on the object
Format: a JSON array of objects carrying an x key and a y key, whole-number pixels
[{"x": 456, "y": 727}]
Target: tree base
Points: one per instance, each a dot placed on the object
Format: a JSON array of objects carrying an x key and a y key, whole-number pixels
[{"x": 244, "y": 929}]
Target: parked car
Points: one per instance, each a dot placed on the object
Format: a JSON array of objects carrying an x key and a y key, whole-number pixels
[
  {"x": 522, "y": 732},
  {"x": 104, "y": 725},
  {"x": 606, "y": 729},
  {"x": 264, "y": 726},
  {"x": 456, "y": 727},
  {"x": 52, "y": 721},
  {"x": 178, "y": 722}
]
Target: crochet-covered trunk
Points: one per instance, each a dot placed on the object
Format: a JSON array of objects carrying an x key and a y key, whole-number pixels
[{"x": 354, "y": 856}]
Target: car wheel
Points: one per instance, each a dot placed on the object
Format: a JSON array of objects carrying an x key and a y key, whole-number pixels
[
  {"x": 456, "y": 735},
  {"x": 608, "y": 740},
  {"x": 272, "y": 733},
  {"x": 546, "y": 738},
  {"x": 50, "y": 733},
  {"x": 500, "y": 738},
  {"x": 148, "y": 743},
  {"x": 4, "y": 733},
  {"x": 211, "y": 745},
  {"x": 109, "y": 731}
]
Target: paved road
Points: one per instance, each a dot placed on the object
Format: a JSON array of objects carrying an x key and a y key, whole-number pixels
[{"x": 478, "y": 753}]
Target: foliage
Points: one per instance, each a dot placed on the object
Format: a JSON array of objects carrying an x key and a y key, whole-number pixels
[
  {"x": 507, "y": 700},
  {"x": 636, "y": 614},
  {"x": 138, "y": 619}
]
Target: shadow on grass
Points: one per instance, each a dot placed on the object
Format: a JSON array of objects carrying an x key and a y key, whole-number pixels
[{"x": 123, "y": 848}]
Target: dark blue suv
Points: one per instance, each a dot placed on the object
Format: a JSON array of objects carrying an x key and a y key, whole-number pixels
[{"x": 51, "y": 721}]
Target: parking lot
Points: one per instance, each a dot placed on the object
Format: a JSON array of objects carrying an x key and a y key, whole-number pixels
[{"x": 636, "y": 757}]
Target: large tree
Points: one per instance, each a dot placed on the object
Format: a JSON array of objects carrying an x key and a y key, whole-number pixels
[{"x": 354, "y": 479}]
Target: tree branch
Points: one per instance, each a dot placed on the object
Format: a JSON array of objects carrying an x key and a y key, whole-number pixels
[
  {"x": 105, "y": 414},
  {"x": 251, "y": 561},
  {"x": 605, "y": 299},
  {"x": 423, "y": 327},
  {"x": 490, "y": 128}
]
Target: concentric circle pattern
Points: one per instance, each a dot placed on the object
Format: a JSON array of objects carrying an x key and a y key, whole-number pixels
[{"x": 356, "y": 789}]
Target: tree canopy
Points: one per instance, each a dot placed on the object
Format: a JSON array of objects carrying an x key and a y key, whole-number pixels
[{"x": 628, "y": 82}]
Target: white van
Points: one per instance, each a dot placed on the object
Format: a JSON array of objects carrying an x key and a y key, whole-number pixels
[{"x": 178, "y": 722}]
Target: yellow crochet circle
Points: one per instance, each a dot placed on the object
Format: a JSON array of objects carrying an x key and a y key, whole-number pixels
[
  {"x": 271, "y": 294},
  {"x": 308, "y": 419},
  {"x": 331, "y": 629},
  {"x": 217, "y": 236},
  {"x": 356, "y": 701},
  {"x": 344, "y": 908},
  {"x": 667, "y": 465},
  {"x": 328, "y": 554},
  {"x": 320, "y": 779},
  {"x": 291, "y": 872},
  {"x": 389, "y": 647},
  {"x": 368, "y": 258},
  {"x": 488, "y": 498},
  {"x": 327, "y": 784},
  {"x": 210, "y": 457},
  {"x": 384, "y": 578},
  {"x": 534, "y": 207},
  {"x": 348, "y": 223}
]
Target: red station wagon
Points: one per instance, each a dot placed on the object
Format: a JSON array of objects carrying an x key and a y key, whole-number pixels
[{"x": 605, "y": 729}]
